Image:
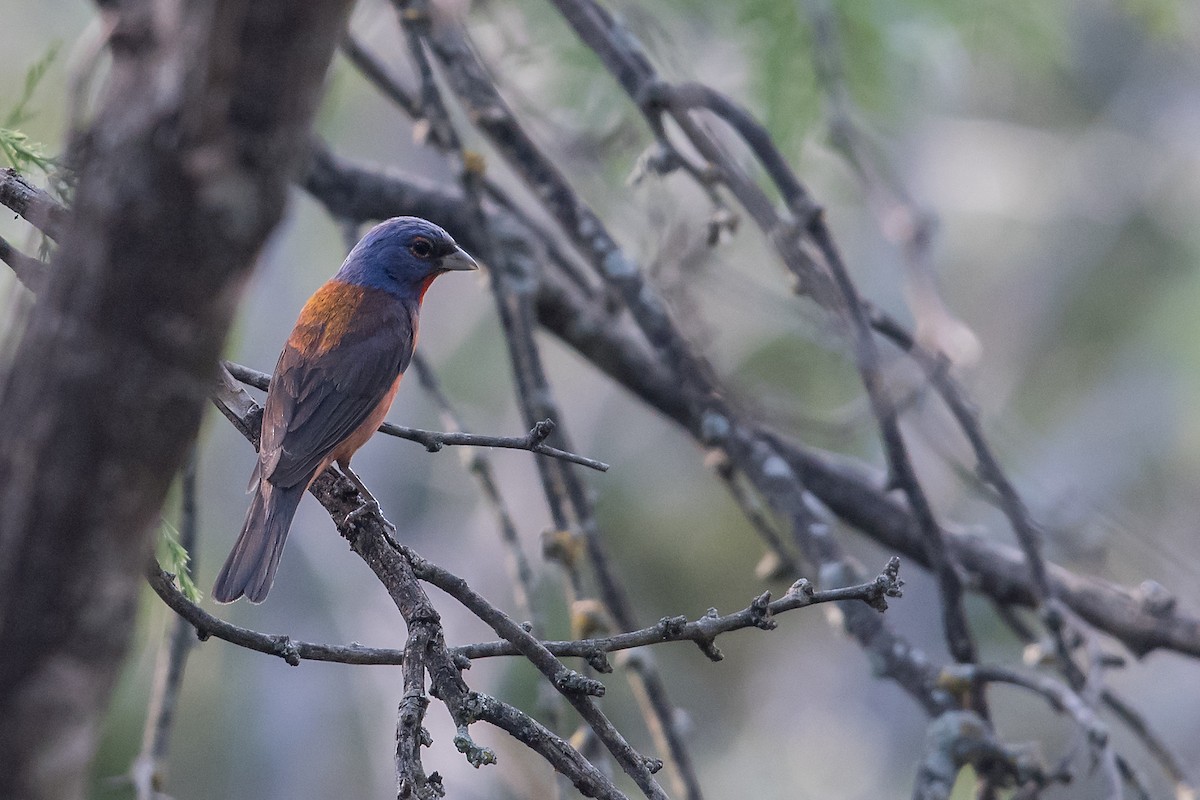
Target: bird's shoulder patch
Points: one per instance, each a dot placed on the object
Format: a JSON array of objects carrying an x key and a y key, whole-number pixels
[{"x": 329, "y": 315}]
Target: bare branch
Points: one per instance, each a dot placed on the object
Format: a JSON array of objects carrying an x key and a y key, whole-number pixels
[
  {"x": 1136, "y": 722},
  {"x": 845, "y": 486},
  {"x": 434, "y": 441},
  {"x": 574, "y": 687},
  {"x": 703, "y": 631},
  {"x": 564, "y": 758},
  {"x": 480, "y": 466},
  {"x": 378, "y": 74},
  {"x": 40, "y": 209},
  {"x": 670, "y": 629},
  {"x": 956, "y": 738},
  {"x": 514, "y": 285},
  {"x": 370, "y": 537},
  {"x": 290, "y": 650}
]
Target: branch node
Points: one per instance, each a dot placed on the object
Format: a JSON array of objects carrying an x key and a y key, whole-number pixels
[
  {"x": 710, "y": 649},
  {"x": 1155, "y": 599},
  {"x": 760, "y": 612},
  {"x": 654, "y": 95},
  {"x": 474, "y": 163},
  {"x": 286, "y": 650},
  {"x": 657, "y": 159},
  {"x": 672, "y": 626},
  {"x": 804, "y": 588},
  {"x": 562, "y": 547},
  {"x": 714, "y": 427},
  {"x": 722, "y": 225},
  {"x": 476, "y": 756},
  {"x": 598, "y": 660},
  {"x": 887, "y": 584},
  {"x": 540, "y": 433},
  {"x": 573, "y": 682}
]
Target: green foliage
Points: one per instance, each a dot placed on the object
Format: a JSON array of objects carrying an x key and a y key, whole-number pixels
[
  {"x": 175, "y": 559},
  {"x": 15, "y": 147}
]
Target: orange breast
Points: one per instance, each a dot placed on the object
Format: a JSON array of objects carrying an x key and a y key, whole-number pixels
[{"x": 350, "y": 445}]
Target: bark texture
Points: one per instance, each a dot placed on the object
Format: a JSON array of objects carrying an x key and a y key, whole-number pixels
[{"x": 181, "y": 177}]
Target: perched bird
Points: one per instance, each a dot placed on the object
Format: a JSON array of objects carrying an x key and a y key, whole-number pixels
[{"x": 334, "y": 383}]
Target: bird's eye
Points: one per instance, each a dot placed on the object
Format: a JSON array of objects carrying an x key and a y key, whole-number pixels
[{"x": 421, "y": 248}]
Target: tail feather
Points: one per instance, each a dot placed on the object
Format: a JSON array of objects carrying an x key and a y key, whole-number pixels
[{"x": 250, "y": 568}]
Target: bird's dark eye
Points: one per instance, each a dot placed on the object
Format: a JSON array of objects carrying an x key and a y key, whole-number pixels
[{"x": 421, "y": 247}]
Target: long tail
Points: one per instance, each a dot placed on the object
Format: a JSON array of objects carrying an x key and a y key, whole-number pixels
[{"x": 250, "y": 568}]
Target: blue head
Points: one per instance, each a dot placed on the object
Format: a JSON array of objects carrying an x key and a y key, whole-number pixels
[{"x": 402, "y": 256}]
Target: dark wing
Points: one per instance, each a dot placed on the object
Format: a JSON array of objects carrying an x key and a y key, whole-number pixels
[{"x": 318, "y": 399}]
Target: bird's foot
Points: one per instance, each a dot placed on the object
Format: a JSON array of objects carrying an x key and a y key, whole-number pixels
[{"x": 370, "y": 506}]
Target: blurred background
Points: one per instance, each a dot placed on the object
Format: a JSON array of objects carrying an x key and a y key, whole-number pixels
[{"x": 1058, "y": 145}]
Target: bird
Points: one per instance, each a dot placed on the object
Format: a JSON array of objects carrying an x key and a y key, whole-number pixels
[{"x": 334, "y": 383}]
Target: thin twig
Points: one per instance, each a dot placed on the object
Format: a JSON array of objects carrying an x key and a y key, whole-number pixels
[
  {"x": 670, "y": 629},
  {"x": 434, "y": 441},
  {"x": 378, "y": 74},
  {"x": 514, "y": 286},
  {"x": 847, "y": 487},
  {"x": 897, "y": 214},
  {"x": 370, "y": 536},
  {"x": 480, "y": 466},
  {"x": 1136, "y": 722},
  {"x": 703, "y": 631},
  {"x": 576, "y": 688},
  {"x": 637, "y": 76},
  {"x": 290, "y": 650}
]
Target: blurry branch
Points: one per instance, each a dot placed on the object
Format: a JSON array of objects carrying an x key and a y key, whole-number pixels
[
  {"x": 29, "y": 271},
  {"x": 1059, "y": 696},
  {"x": 957, "y": 738},
  {"x": 1063, "y": 700},
  {"x": 620, "y": 54},
  {"x": 1141, "y": 623},
  {"x": 898, "y": 215},
  {"x": 1136, "y": 723},
  {"x": 148, "y": 770},
  {"x": 434, "y": 441},
  {"x": 713, "y": 421},
  {"x": 842, "y": 484},
  {"x": 379, "y": 75},
  {"x": 480, "y": 466},
  {"x": 515, "y": 271}
]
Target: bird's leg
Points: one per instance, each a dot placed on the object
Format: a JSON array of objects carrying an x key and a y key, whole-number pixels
[{"x": 371, "y": 504}]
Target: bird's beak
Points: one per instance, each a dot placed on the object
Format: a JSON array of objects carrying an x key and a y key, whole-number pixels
[{"x": 457, "y": 261}]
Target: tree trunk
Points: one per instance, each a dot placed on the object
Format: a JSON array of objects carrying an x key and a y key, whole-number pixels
[{"x": 180, "y": 179}]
